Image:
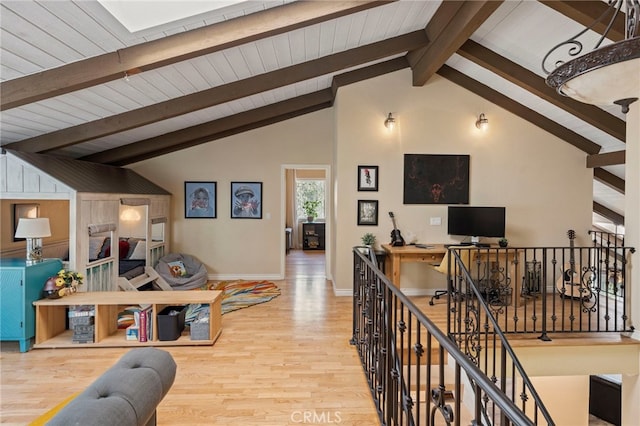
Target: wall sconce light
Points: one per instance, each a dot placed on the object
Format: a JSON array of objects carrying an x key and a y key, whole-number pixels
[
  {"x": 482, "y": 122},
  {"x": 33, "y": 230},
  {"x": 390, "y": 122}
]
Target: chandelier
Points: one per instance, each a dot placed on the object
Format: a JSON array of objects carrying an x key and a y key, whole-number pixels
[{"x": 607, "y": 74}]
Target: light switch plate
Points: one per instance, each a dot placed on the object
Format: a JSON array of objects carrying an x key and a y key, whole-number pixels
[{"x": 436, "y": 221}]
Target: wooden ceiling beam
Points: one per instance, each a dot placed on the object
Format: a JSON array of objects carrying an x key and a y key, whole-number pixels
[
  {"x": 520, "y": 110},
  {"x": 606, "y": 212},
  {"x": 368, "y": 72},
  {"x": 586, "y": 13},
  {"x": 452, "y": 24},
  {"x": 609, "y": 179},
  {"x": 212, "y": 130},
  {"x": 537, "y": 86},
  {"x": 242, "y": 122},
  {"x": 221, "y": 94},
  {"x": 606, "y": 159},
  {"x": 172, "y": 49}
]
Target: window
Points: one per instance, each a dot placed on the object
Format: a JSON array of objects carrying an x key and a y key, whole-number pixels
[{"x": 309, "y": 190}]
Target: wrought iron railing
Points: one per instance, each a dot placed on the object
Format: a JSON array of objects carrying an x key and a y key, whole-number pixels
[
  {"x": 548, "y": 290},
  {"x": 416, "y": 372}
]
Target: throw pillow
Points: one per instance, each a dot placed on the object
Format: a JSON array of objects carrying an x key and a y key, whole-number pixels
[
  {"x": 105, "y": 251},
  {"x": 123, "y": 249},
  {"x": 95, "y": 246},
  {"x": 140, "y": 252},
  {"x": 177, "y": 268}
]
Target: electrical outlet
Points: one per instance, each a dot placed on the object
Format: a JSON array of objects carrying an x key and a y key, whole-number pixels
[{"x": 436, "y": 221}]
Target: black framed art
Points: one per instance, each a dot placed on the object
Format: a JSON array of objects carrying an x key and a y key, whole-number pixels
[
  {"x": 246, "y": 200},
  {"x": 200, "y": 200},
  {"x": 436, "y": 179},
  {"x": 368, "y": 212},
  {"x": 367, "y": 178}
]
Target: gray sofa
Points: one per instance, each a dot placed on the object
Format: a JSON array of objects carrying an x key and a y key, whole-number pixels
[{"x": 126, "y": 394}]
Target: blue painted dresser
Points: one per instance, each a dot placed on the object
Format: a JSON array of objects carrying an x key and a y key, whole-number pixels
[{"x": 20, "y": 285}]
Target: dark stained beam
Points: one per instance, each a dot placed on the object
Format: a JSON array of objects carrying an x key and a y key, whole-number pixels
[
  {"x": 227, "y": 133},
  {"x": 221, "y": 94},
  {"x": 606, "y": 159},
  {"x": 520, "y": 110},
  {"x": 206, "y": 132},
  {"x": 586, "y": 13},
  {"x": 452, "y": 24},
  {"x": 368, "y": 72},
  {"x": 239, "y": 123},
  {"x": 174, "y": 48},
  {"x": 609, "y": 179},
  {"x": 535, "y": 84},
  {"x": 606, "y": 212}
]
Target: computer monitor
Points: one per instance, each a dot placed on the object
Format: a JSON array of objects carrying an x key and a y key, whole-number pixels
[{"x": 476, "y": 222}]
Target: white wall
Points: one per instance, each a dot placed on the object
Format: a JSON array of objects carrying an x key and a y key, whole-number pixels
[
  {"x": 542, "y": 180},
  {"x": 241, "y": 248}
]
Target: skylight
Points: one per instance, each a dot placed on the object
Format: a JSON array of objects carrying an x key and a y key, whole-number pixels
[{"x": 137, "y": 15}]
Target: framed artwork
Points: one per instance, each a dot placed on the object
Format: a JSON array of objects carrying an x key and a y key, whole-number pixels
[
  {"x": 367, "y": 178},
  {"x": 30, "y": 211},
  {"x": 436, "y": 179},
  {"x": 200, "y": 200},
  {"x": 368, "y": 212},
  {"x": 246, "y": 200}
]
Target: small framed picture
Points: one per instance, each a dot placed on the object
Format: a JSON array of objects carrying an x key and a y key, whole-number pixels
[
  {"x": 27, "y": 211},
  {"x": 200, "y": 200},
  {"x": 368, "y": 212},
  {"x": 246, "y": 200},
  {"x": 367, "y": 178}
]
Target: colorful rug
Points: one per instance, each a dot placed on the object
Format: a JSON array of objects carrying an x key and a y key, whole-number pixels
[{"x": 242, "y": 294}]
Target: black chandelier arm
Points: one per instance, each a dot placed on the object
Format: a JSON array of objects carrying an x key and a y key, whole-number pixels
[{"x": 575, "y": 47}]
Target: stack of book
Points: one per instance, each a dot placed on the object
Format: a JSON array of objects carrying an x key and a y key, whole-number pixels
[
  {"x": 81, "y": 322},
  {"x": 142, "y": 327}
]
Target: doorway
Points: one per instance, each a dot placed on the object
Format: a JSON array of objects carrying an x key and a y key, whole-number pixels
[{"x": 306, "y": 183}]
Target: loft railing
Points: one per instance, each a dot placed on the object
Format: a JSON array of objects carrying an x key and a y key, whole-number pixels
[
  {"x": 416, "y": 373},
  {"x": 546, "y": 290}
]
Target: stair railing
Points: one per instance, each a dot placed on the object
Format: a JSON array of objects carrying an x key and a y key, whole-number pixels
[
  {"x": 473, "y": 327},
  {"x": 408, "y": 361}
]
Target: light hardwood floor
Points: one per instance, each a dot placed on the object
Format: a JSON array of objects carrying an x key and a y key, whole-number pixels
[{"x": 278, "y": 363}]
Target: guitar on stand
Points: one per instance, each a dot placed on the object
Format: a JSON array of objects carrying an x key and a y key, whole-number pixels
[
  {"x": 396, "y": 238},
  {"x": 568, "y": 285}
]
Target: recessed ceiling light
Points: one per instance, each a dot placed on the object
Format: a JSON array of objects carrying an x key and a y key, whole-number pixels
[{"x": 140, "y": 15}]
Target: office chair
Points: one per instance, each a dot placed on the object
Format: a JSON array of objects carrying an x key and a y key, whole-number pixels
[{"x": 443, "y": 268}]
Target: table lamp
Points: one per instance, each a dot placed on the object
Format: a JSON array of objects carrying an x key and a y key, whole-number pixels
[{"x": 33, "y": 230}]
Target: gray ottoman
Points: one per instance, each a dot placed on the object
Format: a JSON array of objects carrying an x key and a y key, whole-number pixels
[{"x": 126, "y": 394}]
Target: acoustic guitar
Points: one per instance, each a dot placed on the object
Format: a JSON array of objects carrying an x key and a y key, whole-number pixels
[
  {"x": 396, "y": 238},
  {"x": 570, "y": 278}
]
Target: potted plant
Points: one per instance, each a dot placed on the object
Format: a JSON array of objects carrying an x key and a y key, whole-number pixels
[
  {"x": 310, "y": 208},
  {"x": 503, "y": 242},
  {"x": 369, "y": 239}
]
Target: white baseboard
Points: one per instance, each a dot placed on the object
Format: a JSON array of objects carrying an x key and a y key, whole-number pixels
[{"x": 230, "y": 277}]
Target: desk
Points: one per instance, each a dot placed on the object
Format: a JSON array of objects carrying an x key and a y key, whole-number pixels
[
  {"x": 488, "y": 268},
  {"x": 398, "y": 255}
]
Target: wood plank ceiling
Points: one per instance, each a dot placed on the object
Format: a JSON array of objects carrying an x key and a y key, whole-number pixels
[{"x": 76, "y": 83}]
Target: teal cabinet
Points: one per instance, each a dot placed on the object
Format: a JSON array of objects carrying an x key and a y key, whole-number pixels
[{"x": 20, "y": 285}]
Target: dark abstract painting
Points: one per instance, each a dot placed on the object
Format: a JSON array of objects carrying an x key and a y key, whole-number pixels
[{"x": 436, "y": 179}]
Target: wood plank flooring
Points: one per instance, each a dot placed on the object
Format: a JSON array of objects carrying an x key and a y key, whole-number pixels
[{"x": 279, "y": 363}]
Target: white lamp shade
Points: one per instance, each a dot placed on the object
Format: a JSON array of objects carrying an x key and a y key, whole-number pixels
[{"x": 33, "y": 228}]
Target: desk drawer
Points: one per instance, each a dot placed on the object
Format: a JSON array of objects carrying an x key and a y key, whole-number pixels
[{"x": 433, "y": 258}]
